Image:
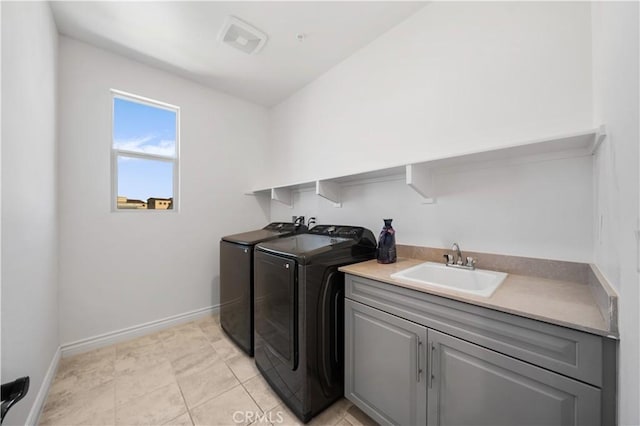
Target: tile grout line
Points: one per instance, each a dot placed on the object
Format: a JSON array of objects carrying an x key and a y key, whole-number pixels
[
  {"x": 252, "y": 398},
  {"x": 178, "y": 382},
  {"x": 240, "y": 381},
  {"x": 235, "y": 375},
  {"x": 115, "y": 374},
  {"x": 184, "y": 400},
  {"x": 163, "y": 356},
  {"x": 210, "y": 399},
  {"x": 115, "y": 384},
  {"x": 200, "y": 404},
  {"x": 225, "y": 361}
]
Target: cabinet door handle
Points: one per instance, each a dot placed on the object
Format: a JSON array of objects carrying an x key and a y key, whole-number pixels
[
  {"x": 419, "y": 343},
  {"x": 432, "y": 354}
]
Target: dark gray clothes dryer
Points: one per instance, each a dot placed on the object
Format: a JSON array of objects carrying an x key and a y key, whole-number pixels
[
  {"x": 299, "y": 308},
  {"x": 236, "y": 279}
]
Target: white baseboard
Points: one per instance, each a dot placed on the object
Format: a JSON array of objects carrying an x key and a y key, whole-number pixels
[
  {"x": 41, "y": 397},
  {"x": 106, "y": 339}
]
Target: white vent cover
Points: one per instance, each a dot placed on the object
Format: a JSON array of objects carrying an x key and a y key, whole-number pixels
[{"x": 242, "y": 36}]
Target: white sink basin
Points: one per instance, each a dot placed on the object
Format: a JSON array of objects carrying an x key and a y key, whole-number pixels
[{"x": 478, "y": 282}]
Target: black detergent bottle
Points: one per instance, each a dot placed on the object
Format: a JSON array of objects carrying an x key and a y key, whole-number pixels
[{"x": 387, "y": 243}]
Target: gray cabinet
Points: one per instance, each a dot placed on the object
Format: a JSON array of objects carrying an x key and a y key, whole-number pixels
[
  {"x": 415, "y": 359},
  {"x": 471, "y": 385},
  {"x": 385, "y": 362}
]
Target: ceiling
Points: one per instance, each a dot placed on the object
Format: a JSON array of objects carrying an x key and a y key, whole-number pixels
[{"x": 181, "y": 37}]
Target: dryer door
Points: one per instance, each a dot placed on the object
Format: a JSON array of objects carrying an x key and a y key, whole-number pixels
[
  {"x": 236, "y": 298},
  {"x": 276, "y": 295},
  {"x": 330, "y": 328}
]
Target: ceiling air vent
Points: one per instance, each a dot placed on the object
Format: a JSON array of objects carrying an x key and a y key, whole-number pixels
[{"x": 242, "y": 36}]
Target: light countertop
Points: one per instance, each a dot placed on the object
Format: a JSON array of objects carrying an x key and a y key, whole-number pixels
[{"x": 564, "y": 303}]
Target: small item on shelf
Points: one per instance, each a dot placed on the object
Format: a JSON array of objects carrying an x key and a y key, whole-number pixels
[{"x": 387, "y": 244}]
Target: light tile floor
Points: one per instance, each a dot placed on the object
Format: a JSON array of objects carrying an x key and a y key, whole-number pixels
[{"x": 191, "y": 374}]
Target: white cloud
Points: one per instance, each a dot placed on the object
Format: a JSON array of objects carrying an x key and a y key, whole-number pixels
[
  {"x": 132, "y": 144},
  {"x": 165, "y": 148}
]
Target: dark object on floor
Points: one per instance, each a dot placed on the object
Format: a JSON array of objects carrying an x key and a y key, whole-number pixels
[{"x": 13, "y": 392}]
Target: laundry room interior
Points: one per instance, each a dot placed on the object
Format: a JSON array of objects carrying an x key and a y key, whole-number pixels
[{"x": 345, "y": 213}]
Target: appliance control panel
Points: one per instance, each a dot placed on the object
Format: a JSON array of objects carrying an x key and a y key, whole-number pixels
[
  {"x": 284, "y": 227},
  {"x": 339, "y": 231}
]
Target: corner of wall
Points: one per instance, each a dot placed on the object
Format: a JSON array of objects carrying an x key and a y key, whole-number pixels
[{"x": 30, "y": 339}]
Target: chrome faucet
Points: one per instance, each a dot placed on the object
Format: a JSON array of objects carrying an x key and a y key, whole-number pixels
[
  {"x": 457, "y": 254},
  {"x": 455, "y": 260}
]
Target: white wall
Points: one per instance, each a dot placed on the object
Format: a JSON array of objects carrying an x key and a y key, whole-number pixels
[
  {"x": 120, "y": 269},
  {"x": 533, "y": 209},
  {"x": 616, "y": 94},
  {"x": 29, "y": 206},
  {"x": 452, "y": 78}
]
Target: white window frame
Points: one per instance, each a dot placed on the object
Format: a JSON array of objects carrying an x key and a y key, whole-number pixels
[{"x": 116, "y": 152}]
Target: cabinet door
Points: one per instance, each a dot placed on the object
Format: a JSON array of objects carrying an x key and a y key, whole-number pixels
[
  {"x": 471, "y": 385},
  {"x": 385, "y": 360}
]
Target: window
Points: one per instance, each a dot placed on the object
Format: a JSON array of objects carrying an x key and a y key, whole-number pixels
[{"x": 144, "y": 153}]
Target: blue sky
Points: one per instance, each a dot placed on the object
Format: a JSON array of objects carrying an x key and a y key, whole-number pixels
[{"x": 145, "y": 129}]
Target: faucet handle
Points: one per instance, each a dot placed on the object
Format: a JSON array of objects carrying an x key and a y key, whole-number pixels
[
  {"x": 448, "y": 259},
  {"x": 471, "y": 262}
]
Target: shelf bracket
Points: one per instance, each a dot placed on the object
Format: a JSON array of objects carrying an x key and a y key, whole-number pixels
[
  {"x": 258, "y": 193},
  {"x": 601, "y": 135},
  {"x": 282, "y": 195},
  {"x": 420, "y": 179},
  {"x": 330, "y": 191}
]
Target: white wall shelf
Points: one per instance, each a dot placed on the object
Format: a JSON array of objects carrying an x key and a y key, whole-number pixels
[{"x": 419, "y": 175}]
